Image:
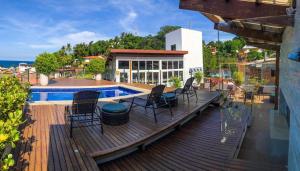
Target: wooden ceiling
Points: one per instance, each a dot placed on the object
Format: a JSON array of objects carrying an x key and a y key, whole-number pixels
[{"x": 260, "y": 22}]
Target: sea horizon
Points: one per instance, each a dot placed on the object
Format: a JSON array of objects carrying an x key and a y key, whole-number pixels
[{"x": 13, "y": 63}]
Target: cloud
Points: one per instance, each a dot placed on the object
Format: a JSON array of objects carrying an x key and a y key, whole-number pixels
[
  {"x": 72, "y": 38},
  {"x": 128, "y": 24}
]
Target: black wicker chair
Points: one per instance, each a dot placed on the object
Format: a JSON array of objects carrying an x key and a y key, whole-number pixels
[
  {"x": 187, "y": 89},
  {"x": 84, "y": 111},
  {"x": 154, "y": 100}
]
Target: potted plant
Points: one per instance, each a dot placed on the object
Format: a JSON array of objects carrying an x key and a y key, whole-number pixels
[
  {"x": 238, "y": 78},
  {"x": 175, "y": 82},
  {"x": 45, "y": 64},
  {"x": 96, "y": 67},
  {"x": 198, "y": 77}
]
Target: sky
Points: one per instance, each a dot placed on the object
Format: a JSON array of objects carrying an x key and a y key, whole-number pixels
[{"x": 30, "y": 27}]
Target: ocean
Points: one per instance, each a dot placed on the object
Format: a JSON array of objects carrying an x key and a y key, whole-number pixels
[{"x": 8, "y": 64}]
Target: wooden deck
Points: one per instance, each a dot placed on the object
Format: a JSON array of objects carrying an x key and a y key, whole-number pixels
[
  {"x": 46, "y": 144},
  {"x": 197, "y": 146}
]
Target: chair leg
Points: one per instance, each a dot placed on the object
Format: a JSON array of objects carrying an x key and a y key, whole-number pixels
[
  {"x": 71, "y": 129},
  {"x": 196, "y": 94},
  {"x": 187, "y": 95},
  {"x": 154, "y": 114},
  {"x": 170, "y": 108},
  {"x": 101, "y": 126}
]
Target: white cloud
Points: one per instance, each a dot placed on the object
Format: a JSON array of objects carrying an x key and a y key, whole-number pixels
[
  {"x": 72, "y": 38},
  {"x": 128, "y": 24}
]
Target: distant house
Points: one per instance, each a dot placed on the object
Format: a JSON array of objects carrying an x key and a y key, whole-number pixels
[
  {"x": 245, "y": 50},
  {"x": 263, "y": 69},
  {"x": 182, "y": 57},
  {"x": 87, "y": 59}
]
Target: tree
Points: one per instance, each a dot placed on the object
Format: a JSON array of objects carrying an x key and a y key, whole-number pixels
[
  {"x": 46, "y": 63},
  {"x": 254, "y": 55},
  {"x": 96, "y": 66},
  {"x": 161, "y": 35},
  {"x": 81, "y": 50}
]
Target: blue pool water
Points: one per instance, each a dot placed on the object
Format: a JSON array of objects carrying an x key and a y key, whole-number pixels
[{"x": 61, "y": 94}]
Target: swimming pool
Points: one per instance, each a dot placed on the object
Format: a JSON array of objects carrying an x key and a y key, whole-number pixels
[{"x": 66, "y": 94}]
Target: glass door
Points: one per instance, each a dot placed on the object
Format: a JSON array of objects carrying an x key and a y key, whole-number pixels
[{"x": 123, "y": 67}]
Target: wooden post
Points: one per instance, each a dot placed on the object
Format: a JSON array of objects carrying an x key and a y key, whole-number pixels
[{"x": 277, "y": 80}]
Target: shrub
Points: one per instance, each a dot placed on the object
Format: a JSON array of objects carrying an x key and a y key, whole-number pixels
[
  {"x": 238, "y": 78},
  {"x": 12, "y": 98},
  {"x": 175, "y": 81},
  {"x": 96, "y": 66},
  {"x": 46, "y": 63},
  {"x": 198, "y": 76}
]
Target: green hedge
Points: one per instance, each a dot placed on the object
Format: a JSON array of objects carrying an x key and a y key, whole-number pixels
[{"x": 12, "y": 98}]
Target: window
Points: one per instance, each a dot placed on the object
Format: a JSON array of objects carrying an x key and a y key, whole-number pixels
[
  {"x": 149, "y": 65},
  {"x": 173, "y": 47},
  {"x": 170, "y": 74},
  {"x": 134, "y": 77},
  {"x": 170, "y": 65},
  {"x": 180, "y": 64},
  {"x": 181, "y": 75},
  {"x": 135, "y": 65},
  {"x": 164, "y": 64},
  {"x": 175, "y": 65},
  {"x": 155, "y": 65},
  {"x": 176, "y": 74},
  {"x": 165, "y": 77},
  {"x": 155, "y": 77},
  {"x": 142, "y": 77},
  {"x": 124, "y": 77},
  {"x": 123, "y": 64},
  {"x": 142, "y": 65},
  {"x": 149, "y": 77}
]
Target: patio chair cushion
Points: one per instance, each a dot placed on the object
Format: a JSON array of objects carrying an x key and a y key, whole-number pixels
[
  {"x": 114, "y": 108},
  {"x": 169, "y": 96}
]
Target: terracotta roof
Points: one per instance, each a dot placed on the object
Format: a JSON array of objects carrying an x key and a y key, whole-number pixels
[
  {"x": 93, "y": 57},
  {"x": 142, "y": 51}
]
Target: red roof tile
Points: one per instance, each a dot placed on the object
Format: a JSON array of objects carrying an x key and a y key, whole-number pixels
[{"x": 142, "y": 51}]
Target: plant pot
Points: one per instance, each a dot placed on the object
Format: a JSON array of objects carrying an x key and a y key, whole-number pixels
[
  {"x": 98, "y": 77},
  {"x": 44, "y": 79},
  {"x": 56, "y": 75}
]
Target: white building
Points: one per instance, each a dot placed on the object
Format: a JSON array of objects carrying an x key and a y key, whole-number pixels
[
  {"x": 191, "y": 41},
  {"x": 183, "y": 54}
]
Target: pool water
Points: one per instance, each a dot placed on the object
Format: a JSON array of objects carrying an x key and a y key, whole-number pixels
[{"x": 62, "y": 94}]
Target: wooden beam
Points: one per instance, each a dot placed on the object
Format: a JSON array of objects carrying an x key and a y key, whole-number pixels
[
  {"x": 234, "y": 9},
  {"x": 283, "y": 20},
  {"x": 250, "y": 33},
  {"x": 277, "y": 80},
  {"x": 213, "y": 18},
  {"x": 264, "y": 46}
]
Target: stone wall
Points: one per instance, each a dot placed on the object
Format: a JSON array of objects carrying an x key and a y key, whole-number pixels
[{"x": 290, "y": 88}]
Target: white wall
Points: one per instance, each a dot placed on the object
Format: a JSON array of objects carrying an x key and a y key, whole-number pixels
[{"x": 188, "y": 40}]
